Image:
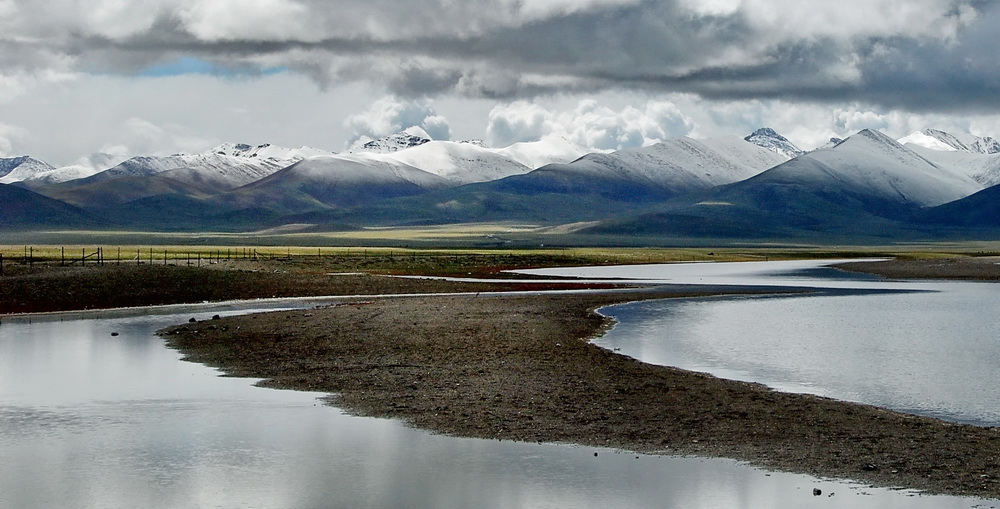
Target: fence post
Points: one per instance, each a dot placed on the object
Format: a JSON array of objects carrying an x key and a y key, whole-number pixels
[{"x": 1, "y": 264}]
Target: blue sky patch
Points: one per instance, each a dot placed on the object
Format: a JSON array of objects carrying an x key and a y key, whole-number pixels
[{"x": 192, "y": 65}]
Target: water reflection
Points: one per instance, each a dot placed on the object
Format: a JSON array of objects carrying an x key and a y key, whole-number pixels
[
  {"x": 92, "y": 420},
  {"x": 927, "y": 347},
  {"x": 933, "y": 353}
]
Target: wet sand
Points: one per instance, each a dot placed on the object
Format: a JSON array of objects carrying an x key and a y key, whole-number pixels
[{"x": 522, "y": 368}]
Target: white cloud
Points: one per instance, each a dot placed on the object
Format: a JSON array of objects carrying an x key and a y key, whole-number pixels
[
  {"x": 215, "y": 20},
  {"x": 712, "y": 7},
  {"x": 516, "y": 122},
  {"x": 540, "y": 9},
  {"x": 63, "y": 122},
  {"x": 118, "y": 19},
  {"x": 589, "y": 124},
  {"x": 390, "y": 115},
  {"x": 847, "y": 20},
  {"x": 11, "y": 138},
  {"x": 138, "y": 136}
]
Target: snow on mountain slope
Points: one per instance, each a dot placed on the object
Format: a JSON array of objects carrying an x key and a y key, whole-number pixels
[
  {"x": 16, "y": 169},
  {"x": 335, "y": 181},
  {"x": 830, "y": 144},
  {"x": 535, "y": 154},
  {"x": 466, "y": 162},
  {"x": 227, "y": 166},
  {"x": 983, "y": 168},
  {"x": 267, "y": 151},
  {"x": 970, "y": 155},
  {"x": 81, "y": 168},
  {"x": 460, "y": 163},
  {"x": 408, "y": 138},
  {"x": 935, "y": 139},
  {"x": 686, "y": 163},
  {"x": 251, "y": 164},
  {"x": 922, "y": 139},
  {"x": 357, "y": 168},
  {"x": 768, "y": 138},
  {"x": 873, "y": 164}
]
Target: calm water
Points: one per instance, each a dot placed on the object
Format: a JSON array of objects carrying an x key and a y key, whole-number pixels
[
  {"x": 91, "y": 420},
  {"x": 934, "y": 353},
  {"x": 931, "y": 348}
]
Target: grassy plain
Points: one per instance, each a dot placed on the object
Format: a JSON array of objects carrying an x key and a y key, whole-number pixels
[{"x": 57, "y": 277}]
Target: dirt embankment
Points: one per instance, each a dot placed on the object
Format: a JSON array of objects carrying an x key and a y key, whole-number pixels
[
  {"x": 520, "y": 368},
  {"x": 982, "y": 268},
  {"x": 46, "y": 289}
]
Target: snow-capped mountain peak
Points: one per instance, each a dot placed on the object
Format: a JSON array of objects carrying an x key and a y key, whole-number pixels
[
  {"x": 550, "y": 149},
  {"x": 936, "y": 139},
  {"x": 768, "y": 138},
  {"x": 81, "y": 168},
  {"x": 267, "y": 151},
  {"x": 875, "y": 165},
  {"x": 459, "y": 162},
  {"x": 410, "y": 137},
  {"x": 830, "y": 144},
  {"x": 16, "y": 169},
  {"x": 977, "y": 157}
]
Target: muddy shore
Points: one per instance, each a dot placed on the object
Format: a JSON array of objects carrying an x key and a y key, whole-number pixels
[
  {"x": 982, "y": 268},
  {"x": 521, "y": 368}
]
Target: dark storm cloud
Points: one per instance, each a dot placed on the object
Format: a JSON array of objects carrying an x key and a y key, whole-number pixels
[
  {"x": 934, "y": 55},
  {"x": 964, "y": 75}
]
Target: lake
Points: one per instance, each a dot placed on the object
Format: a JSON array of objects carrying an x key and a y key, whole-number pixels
[{"x": 95, "y": 412}]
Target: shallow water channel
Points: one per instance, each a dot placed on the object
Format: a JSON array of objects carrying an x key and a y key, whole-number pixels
[
  {"x": 89, "y": 419},
  {"x": 924, "y": 347}
]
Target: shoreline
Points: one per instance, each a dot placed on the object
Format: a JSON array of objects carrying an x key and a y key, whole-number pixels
[{"x": 523, "y": 368}]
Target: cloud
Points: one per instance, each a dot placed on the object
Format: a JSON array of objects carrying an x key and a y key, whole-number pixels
[
  {"x": 390, "y": 115},
  {"x": 518, "y": 122},
  {"x": 139, "y": 136},
  {"x": 11, "y": 138},
  {"x": 589, "y": 124},
  {"x": 917, "y": 53},
  {"x": 708, "y": 65},
  {"x": 242, "y": 20}
]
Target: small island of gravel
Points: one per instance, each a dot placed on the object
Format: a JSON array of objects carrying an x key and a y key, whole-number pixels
[{"x": 522, "y": 368}]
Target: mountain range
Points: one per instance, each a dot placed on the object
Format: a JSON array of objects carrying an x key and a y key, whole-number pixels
[{"x": 930, "y": 184}]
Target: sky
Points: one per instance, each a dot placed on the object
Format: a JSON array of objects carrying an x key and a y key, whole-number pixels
[{"x": 155, "y": 77}]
